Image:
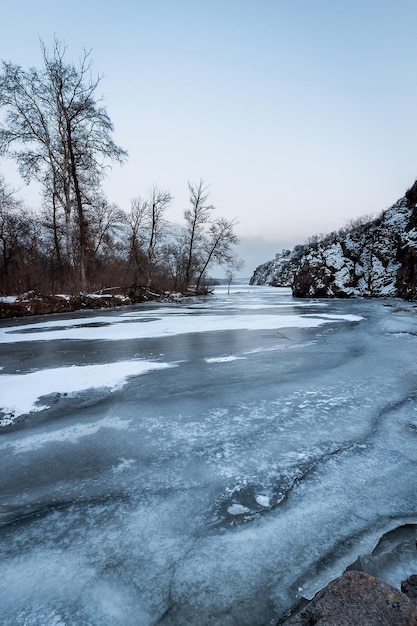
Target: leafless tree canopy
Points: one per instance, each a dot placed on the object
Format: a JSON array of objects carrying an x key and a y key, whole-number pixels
[
  {"x": 59, "y": 135},
  {"x": 52, "y": 123}
]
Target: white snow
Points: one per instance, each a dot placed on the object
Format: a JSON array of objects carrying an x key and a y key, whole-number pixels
[
  {"x": 20, "y": 393},
  {"x": 333, "y": 316},
  {"x": 334, "y": 256},
  {"x": 224, "y": 359},
  {"x": 97, "y": 296},
  {"x": 237, "y": 509},
  {"x": 118, "y": 328},
  {"x": 124, "y": 464},
  {"x": 264, "y": 501},
  {"x": 9, "y": 299}
]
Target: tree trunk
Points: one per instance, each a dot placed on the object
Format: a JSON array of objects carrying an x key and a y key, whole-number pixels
[
  {"x": 56, "y": 238},
  {"x": 82, "y": 241}
]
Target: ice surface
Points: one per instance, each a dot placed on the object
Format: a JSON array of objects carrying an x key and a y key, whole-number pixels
[
  {"x": 161, "y": 324},
  {"x": 69, "y": 434},
  {"x": 272, "y": 456}
]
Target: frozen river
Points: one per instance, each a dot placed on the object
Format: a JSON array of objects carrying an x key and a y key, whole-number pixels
[{"x": 207, "y": 463}]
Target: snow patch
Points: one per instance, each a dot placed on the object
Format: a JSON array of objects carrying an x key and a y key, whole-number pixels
[
  {"x": 349, "y": 317},
  {"x": 115, "y": 328},
  {"x": 124, "y": 464},
  {"x": 9, "y": 299},
  {"x": 237, "y": 509},
  {"x": 20, "y": 393},
  {"x": 262, "y": 500},
  {"x": 224, "y": 359}
]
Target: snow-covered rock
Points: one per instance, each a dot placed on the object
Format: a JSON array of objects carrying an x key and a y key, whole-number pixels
[
  {"x": 372, "y": 258},
  {"x": 280, "y": 271}
]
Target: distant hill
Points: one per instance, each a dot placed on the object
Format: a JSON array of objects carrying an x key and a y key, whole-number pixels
[{"x": 373, "y": 257}]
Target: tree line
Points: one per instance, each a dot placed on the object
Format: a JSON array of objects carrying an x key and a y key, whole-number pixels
[{"x": 55, "y": 128}]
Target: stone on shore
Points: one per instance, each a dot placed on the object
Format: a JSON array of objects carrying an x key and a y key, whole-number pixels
[{"x": 357, "y": 599}]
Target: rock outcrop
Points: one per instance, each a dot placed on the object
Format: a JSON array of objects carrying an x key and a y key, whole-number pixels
[
  {"x": 280, "y": 271},
  {"x": 372, "y": 258},
  {"x": 357, "y": 599}
]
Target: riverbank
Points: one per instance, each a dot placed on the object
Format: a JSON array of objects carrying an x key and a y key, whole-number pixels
[{"x": 35, "y": 303}]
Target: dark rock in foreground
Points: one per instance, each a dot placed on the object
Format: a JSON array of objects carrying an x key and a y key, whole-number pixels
[
  {"x": 409, "y": 586},
  {"x": 357, "y": 599}
]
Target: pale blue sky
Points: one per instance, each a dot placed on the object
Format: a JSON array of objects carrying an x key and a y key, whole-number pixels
[{"x": 300, "y": 114}]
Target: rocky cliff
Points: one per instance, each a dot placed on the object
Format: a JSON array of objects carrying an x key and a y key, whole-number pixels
[
  {"x": 280, "y": 271},
  {"x": 371, "y": 258}
]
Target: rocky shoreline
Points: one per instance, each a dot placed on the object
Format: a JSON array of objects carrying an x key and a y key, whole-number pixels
[{"x": 34, "y": 303}]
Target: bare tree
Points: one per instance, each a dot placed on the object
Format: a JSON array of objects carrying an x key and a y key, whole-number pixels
[
  {"x": 146, "y": 228},
  {"x": 136, "y": 219},
  {"x": 20, "y": 244},
  {"x": 217, "y": 246},
  {"x": 172, "y": 257},
  {"x": 10, "y": 227},
  {"x": 233, "y": 265},
  {"x": 107, "y": 221},
  {"x": 59, "y": 135},
  {"x": 156, "y": 209},
  {"x": 196, "y": 218}
]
